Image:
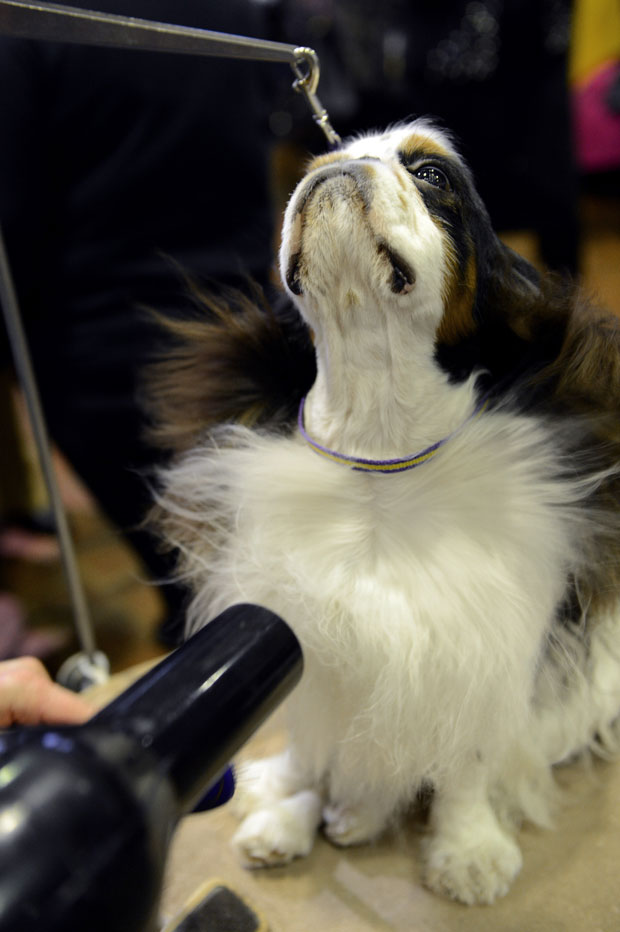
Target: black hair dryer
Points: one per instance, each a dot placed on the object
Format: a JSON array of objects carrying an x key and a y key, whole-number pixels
[{"x": 87, "y": 812}]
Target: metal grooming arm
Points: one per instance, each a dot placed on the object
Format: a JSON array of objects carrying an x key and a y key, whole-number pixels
[{"x": 88, "y": 27}]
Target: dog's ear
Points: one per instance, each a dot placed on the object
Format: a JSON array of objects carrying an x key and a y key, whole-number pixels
[
  {"x": 520, "y": 276},
  {"x": 509, "y": 288},
  {"x": 235, "y": 359},
  {"x": 540, "y": 332},
  {"x": 518, "y": 316}
]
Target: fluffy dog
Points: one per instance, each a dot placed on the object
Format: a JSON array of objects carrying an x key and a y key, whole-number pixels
[{"x": 437, "y": 520}]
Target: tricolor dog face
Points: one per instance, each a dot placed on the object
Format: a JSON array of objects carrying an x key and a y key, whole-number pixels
[{"x": 394, "y": 219}]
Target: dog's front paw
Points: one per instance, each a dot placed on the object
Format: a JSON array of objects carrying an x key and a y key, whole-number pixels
[
  {"x": 352, "y": 825},
  {"x": 261, "y": 783},
  {"x": 474, "y": 868},
  {"x": 273, "y": 836},
  {"x": 257, "y": 786}
]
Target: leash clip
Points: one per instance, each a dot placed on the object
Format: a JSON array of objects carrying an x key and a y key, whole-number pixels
[{"x": 306, "y": 69}]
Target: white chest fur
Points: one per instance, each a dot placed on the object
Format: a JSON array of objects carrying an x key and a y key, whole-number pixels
[{"x": 420, "y": 598}]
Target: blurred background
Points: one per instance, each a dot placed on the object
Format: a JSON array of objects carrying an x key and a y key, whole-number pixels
[{"x": 119, "y": 168}]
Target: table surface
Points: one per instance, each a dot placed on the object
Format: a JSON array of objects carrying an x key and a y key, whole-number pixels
[{"x": 570, "y": 880}]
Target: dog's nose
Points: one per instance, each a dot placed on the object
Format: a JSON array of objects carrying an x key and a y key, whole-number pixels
[{"x": 360, "y": 170}]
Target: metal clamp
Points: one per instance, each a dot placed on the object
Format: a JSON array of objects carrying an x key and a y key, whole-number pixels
[{"x": 306, "y": 69}]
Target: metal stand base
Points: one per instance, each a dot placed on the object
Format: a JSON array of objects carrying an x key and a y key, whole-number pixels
[{"x": 81, "y": 670}]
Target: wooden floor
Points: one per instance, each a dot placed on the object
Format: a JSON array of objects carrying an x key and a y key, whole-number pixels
[{"x": 125, "y": 607}]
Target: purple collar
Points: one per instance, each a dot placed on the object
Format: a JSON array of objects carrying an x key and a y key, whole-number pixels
[{"x": 382, "y": 466}]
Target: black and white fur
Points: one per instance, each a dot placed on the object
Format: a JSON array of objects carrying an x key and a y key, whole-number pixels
[{"x": 460, "y": 621}]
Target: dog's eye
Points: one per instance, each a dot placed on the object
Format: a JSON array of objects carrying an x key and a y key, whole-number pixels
[{"x": 431, "y": 175}]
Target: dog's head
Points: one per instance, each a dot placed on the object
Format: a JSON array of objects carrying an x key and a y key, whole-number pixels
[
  {"x": 393, "y": 220},
  {"x": 386, "y": 246}
]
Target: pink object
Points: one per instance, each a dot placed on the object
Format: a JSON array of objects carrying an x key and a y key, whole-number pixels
[
  {"x": 17, "y": 640},
  {"x": 597, "y": 127}
]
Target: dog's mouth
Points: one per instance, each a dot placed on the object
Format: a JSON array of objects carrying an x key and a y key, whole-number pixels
[
  {"x": 293, "y": 280},
  {"x": 402, "y": 278}
]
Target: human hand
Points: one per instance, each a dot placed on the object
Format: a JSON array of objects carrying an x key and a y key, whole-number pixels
[{"x": 28, "y": 696}]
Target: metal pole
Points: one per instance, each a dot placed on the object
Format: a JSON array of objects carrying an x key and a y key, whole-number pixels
[
  {"x": 25, "y": 372},
  {"x": 58, "y": 23}
]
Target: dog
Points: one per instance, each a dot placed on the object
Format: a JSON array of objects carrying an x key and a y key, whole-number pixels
[{"x": 415, "y": 463}]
